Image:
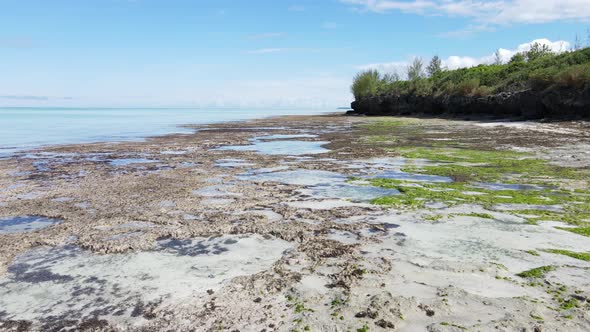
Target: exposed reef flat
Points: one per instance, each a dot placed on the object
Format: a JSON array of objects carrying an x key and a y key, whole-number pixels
[{"x": 307, "y": 223}]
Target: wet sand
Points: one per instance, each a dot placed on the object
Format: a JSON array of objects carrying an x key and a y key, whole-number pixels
[{"x": 270, "y": 225}]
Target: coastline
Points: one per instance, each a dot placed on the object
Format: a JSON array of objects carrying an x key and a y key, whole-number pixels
[
  {"x": 330, "y": 260},
  {"x": 177, "y": 122}
]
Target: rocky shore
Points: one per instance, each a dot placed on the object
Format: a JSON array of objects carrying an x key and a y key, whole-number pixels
[
  {"x": 303, "y": 223},
  {"x": 552, "y": 104}
]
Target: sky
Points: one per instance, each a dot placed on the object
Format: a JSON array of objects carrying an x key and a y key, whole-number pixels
[{"x": 252, "y": 53}]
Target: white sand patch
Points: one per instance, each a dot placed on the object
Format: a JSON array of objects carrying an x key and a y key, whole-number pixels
[
  {"x": 70, "y": 283},
  {"x": 533, "y": 126},
  {"x": 454, "y": 250}
]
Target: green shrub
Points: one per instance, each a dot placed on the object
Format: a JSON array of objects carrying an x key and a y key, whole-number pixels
[
  {"x": 543, "y": 78},
  {"x": 538, "y": 69},
  {"x": 574, "y": 77},
  {"x": 387, "y": 83},
  {"x": 366, "y": 83},
  {"x": 517, "y": 58},
  {"x": 537, "y": 51},
  {"x": 422, "y": 87},
  {"x": 483, "y": 91},
  {"x": 400, "y": 87},
  {"x": 468, "y": 87},
  {"x": 447, "y": 88}
]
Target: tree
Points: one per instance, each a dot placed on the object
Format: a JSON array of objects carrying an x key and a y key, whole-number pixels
[
  {"x": 537, "y": 50},
  {"x": 366, "y": 83},
  {"x": 435, "y": 66},
  {"x": 577, "y": 43},
  {"x": 415, "y": 69},
  {"x": 390, "y": 78},
  {"x": 498, "y": 57},
  {"x": 517, "y": 58}
]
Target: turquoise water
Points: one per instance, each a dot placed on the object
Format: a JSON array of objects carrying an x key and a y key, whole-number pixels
[{"x": 26, "y": 128}]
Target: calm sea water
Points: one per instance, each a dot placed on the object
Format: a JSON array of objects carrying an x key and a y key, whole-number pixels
[{"x": 26, "y": 128}]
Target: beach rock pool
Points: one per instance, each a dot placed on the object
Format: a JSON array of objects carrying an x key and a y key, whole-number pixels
[
  {"x": 273, "y": 145},
  {"x": 322, "y": 184},
  {"x": 131, "y": 161},
  {"x": 23, "y": 224}
]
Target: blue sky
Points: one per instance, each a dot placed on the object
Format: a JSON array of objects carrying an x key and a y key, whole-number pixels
[{"x": 224, "y": 53}]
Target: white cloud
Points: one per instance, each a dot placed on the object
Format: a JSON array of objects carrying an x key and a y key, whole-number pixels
[
  {"x": 380, "y": 6},
  {"x": 492, "y": 12},
  {"x": 455, "y": 62},
  {"x": 542, "y": 11}
]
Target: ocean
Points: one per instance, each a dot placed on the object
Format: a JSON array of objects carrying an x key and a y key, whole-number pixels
[{"x": 28, "y": 128}]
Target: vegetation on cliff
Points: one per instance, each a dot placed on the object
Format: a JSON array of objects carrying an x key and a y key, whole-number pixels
[{"x": 537, "y": 69}]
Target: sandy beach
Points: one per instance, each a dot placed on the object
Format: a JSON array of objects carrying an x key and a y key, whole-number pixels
[{"x": 302, "y": 223}]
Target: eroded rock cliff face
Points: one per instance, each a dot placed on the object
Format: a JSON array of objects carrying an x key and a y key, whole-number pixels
[{"x": 527, "y": 104}]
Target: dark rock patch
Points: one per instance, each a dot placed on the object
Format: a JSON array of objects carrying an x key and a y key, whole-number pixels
[{"x": 527, "y": 104}]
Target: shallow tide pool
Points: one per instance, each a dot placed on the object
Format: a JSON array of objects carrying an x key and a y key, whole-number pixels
[
  {"x": 291, "y": 148},
  {"x": 322, "y": 184},
  {"x": 23, "y": 224},
  {"x": 271, "y": 146},
  {"x": 131, "y": 161}
]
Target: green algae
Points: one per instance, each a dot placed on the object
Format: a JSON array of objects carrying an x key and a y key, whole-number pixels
[
  {"x": 466, "y": 165},
  {"x": 575, "y": 203},
  {"x": 477, "y": 215},
  {"x": 584, "y": 256},
  {"x": 486, "y": 166},
  {"x": 454, "y": 193},
  {"x": 364, "y": 328},
  {"x": 537, "y": 272},
  {"x": 380, "y": 139},
  {"x": 585, "y": 231},
  {"x": 389, "y": 123},
  {"x": 575, "y": 215},
  {"x": 455, "y": 155},
  {"x": 569, "y": 304},
  {"x": 434, "y": 218},
  {"x": 388, "y": 131},
  {"x": 453, "y": 325}
]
